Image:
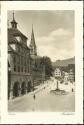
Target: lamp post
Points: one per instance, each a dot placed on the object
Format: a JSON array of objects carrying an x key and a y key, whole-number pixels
[
  {"x": 57, "y": 85},
  {"x": 33, "y": 78},
  {"x": 43, "y": 72},
  {"x": 9, "y": 81},
  {"x": 33, "y": 85},
  {"x": 31, "y": 65}
]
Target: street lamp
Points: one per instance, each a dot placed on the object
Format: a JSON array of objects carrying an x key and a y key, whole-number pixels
[
  {"x": 57, "y": 85},
  {"x": 43, "y": 72},
  {"x": 9, "y": 80},
  {"x": 57, "y": 88}
]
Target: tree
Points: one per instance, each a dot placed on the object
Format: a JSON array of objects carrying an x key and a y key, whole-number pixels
[{"x": 46, "y": 61}]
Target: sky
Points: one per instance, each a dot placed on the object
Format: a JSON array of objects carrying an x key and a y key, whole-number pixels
[{"x": 53, "y": 30}]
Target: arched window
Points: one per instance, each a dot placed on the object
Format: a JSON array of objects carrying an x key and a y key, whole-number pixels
[
  {"x": 16, "y": 89},
  {"x": 14, "y": 61},
  {"x": 23, "y": 88}
]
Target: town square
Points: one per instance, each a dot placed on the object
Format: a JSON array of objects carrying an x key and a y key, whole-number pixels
[{"x": 41, "y": 68}]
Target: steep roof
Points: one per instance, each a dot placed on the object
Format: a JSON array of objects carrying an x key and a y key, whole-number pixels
[
  {"x": 14, "y": 32},
  {"x": 32, "y": 43},
  {"x": 9, "y": 48}
]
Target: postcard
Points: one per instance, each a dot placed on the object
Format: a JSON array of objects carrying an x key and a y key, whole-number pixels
[{"x": 42, "y": 62}]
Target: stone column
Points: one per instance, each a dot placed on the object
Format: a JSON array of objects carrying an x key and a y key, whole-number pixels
[
  {"x": 20, "y": 90},
  {"x": 11, "y": 94},
  {"x": 26, "y": 90},
  {"x": 11, "y": 91}
]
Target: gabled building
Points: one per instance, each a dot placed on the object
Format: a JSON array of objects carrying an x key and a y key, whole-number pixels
[
  {"x": 71, "y": 76},
  {"x": 66, "y": 77},
  {"x": 57, "y": 73},
  {"x": 25, "y": 70},
  {"x": 19, "y": 78}
]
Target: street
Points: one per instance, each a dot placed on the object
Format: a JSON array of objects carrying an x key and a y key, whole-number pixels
[{"x": 44, "y": 101}]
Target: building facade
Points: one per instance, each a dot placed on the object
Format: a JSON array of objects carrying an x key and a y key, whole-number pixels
[
  {"x": 71, "y": 76},
  {"x": 19, "y": 77},
  {"x": 66, "y": 77},
  {"x": 57, "y": 73},
  {"x": 24, "y": 65}
]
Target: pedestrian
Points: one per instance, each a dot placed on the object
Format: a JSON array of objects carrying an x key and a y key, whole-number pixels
[{"x": 34, "y": 96}]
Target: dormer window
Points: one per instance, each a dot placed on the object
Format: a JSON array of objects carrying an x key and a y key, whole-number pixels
[
  {"x": 18, "y": 38},
  {"x": 13, "y": 46}
]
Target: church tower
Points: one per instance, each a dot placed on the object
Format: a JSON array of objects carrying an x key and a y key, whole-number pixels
[{"x": 32, "y": 46}]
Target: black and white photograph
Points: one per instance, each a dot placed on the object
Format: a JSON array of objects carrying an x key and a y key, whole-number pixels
[{"x": 43, "y": 61}]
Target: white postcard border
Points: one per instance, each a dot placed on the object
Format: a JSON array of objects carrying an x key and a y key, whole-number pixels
[{"x": 47, "y": 117}]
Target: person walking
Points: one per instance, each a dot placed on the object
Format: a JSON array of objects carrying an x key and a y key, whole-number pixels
[
  {"x": 34, "y": 96},
  {"x": 72, "y": 89}
]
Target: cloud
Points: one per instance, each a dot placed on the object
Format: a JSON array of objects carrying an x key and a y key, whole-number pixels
[
  {"x": 59, "y": 44},
  {"x": 61, "y": 32},
  {"x": 54, "y": 31},
  {"x": 54, "y": 53}
]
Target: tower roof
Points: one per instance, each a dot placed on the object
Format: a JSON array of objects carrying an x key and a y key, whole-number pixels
[
  {"x": 32, "y": 43},
  {"x": 13, "y": 22},
  {"x": 33, "y": 48}
]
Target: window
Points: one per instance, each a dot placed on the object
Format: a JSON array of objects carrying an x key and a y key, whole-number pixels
[
  {"x": 13, "y": 46},
  {"x": 18, "y": 68},
  {"x": 22, "y": 69},
  {"x": 25, "y": 68},
  {"x": 14, "y": 59},
  {"x": 18, "y": 60},
  {"x": 24, "y": 61},
  {"x": 14, "y": 68},
  {"x": 18, "y": 38},
  {"x": 18, "y": 48},
  {"x": 28, "y": 68},
  {"x": 21, "y": 60}
]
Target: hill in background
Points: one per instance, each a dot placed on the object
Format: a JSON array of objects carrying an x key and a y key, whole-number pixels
[{"x": 63, "y": 63}]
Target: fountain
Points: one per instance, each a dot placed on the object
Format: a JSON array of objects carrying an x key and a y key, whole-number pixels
[{"x": 58, "y": 91}]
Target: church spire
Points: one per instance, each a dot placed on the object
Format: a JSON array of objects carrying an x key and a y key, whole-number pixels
[
  {"x": 32, "y": 37},
  {"x": 33, "y": 49},
  {"x": 14, "y": 23}
]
